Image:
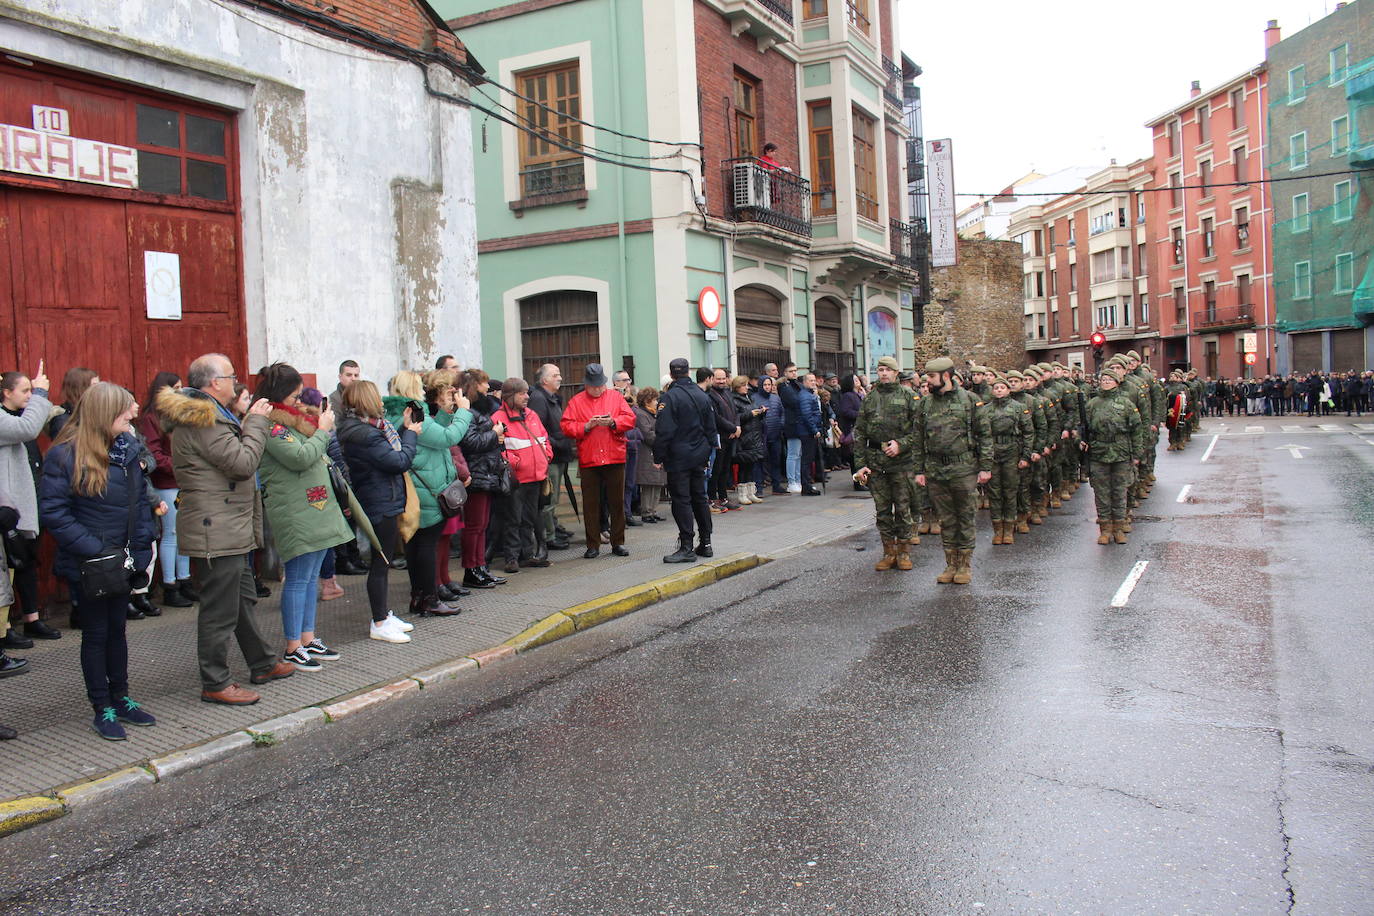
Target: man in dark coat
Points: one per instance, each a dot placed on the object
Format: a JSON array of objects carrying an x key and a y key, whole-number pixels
[
  {"x": 547, "y": 404},
  {"x": 728, "y": 427},
  {"x": 683, "y": 438}
]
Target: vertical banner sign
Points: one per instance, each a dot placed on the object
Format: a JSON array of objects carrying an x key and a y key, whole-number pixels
[
  {"x": 940, "y": 166},
  {"x": 162, "y": 282}
]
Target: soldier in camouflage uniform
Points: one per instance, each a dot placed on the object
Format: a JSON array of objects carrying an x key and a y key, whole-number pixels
[
  {"x": 980, "y": 386},
  {"x": 1178, "y": 434},
  {"x": 1039, "y": 487},
  {"x": 1013, "y": 434},
  {"x": 1135, "y": 391},
  {"x": 1154, "y": 420},
  {"x": 929, "y": 520},
  {"x": 1071, "y": 402},
  {"x": 884, "y": 453},
  {"x": 1197, "y": 391},
  {"x": 1113, "y": 436},
  {"x": 953, "y": 456},
  {"x": 1038, "y": 444}
]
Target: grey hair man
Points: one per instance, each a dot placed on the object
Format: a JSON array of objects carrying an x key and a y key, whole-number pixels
[{"x": 547, "y": 403}]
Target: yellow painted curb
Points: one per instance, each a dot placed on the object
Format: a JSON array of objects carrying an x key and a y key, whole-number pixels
[
  {"x": 735, "y": 563},
  {"x": 555, "y": 626},
  {"x": 608, "y": 607},
  {"x": 23, "y": 813},
  {"x": 689, "y": 579}
]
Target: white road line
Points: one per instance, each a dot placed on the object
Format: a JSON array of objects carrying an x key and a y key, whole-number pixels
[
  {"x": 1208, "y": 454},
  {"x": 1183, "y": 494},
  {"x": 1254, "y": 429},
  {"x": 1123, "y": 594},
  {"x": 1365, "y": 426},
  {"x": 1291, "y": 429},
  {"x": 1327, "y": 426}
]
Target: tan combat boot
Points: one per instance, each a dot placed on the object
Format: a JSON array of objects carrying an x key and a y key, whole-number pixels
[
  {"x": 963, "y": 574},
  {"x": 1065, "y": 493},
  {"x": 1034, "y": 517},
  {"x": 915, "y": 539},
  {"x": 951, "y": 567},
  {"x": 1054, "y": 502},
  {"x": 903, "y": 555},
  {"x": 1104, "y": 527},
  {"x": 924, "y": 527},
  {"x": 997, "y": 532},
  {"x": 1008, "y": 529},
  {"x": 1119, "y": 532},
  {"x": 889, "y": 559},
  {"x": 935, "y": 526},
  {"x": 1126, "y": 525},
  {"x": 1023, "y": 523}
]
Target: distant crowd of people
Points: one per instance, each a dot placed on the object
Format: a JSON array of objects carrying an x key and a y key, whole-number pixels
[{"x": 1316, "y": 394}]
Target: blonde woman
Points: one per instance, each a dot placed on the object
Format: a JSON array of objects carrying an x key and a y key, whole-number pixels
[{"x": 93, "y": 499}]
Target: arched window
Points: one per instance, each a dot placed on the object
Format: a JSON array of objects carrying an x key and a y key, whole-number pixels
[
  {"x": 560, "y": 327},
  {"x": 759, "y": 329},
  {"x": 831, "y": 355}
]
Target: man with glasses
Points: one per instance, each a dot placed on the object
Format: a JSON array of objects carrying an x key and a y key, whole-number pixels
[{"x": 219, "y": 521}]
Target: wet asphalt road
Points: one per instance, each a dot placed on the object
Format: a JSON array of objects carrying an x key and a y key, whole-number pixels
[{"x": 814, "y": 737}]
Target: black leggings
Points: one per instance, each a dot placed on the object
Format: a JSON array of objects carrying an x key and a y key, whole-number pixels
[
  {"x": 421, "y": 560},
  {"x": 386, "y": 531}
]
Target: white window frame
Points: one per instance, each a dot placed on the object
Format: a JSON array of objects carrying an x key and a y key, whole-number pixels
[
  {"x": 1305, "y": 276},
  {"x": 1144, "y": 316},
  {"x": 1348, "y": 257},
  {"x": 1306, "y": 214},
  {"x": 1293, "y": 97},
  {"x": 1292, "y": 154},
  {"x": 1337, "y": 74},
  {"x": 1348, "y": 200},
  {"x": 1335, "y": 149},
  {"x": 510, "y": 136}
]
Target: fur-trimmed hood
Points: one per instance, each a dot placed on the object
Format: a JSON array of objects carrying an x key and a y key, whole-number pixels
[
  {"x": 303, "y": 419},
  {"x": 186, "y": 407}
]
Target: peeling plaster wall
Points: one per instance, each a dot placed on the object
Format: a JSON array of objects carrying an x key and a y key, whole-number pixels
[{"x": 359, "y": 236}]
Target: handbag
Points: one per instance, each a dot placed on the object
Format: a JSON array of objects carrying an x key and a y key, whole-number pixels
[
  {"x": 109, "y": 574},
  {"x": 505, "y": 479},
  {"x": 450, "y": 499},
  {"x": 408, "y": 522}
]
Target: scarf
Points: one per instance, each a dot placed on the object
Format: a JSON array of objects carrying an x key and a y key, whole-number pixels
[
  {"x": 393, "y": 438},
  {"x": 311, "y": 418}
]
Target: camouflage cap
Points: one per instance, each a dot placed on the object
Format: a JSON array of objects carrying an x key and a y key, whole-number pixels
[
  {"x": 890, "y": 362},
  {"x": 1131, "y": 354},
  {"x": 940, "y": 364},
  {"x": 1014, "y": 373}
]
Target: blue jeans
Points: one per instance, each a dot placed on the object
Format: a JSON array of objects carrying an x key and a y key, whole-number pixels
[
  {"x": 174, "y": 566},
  {"x": 794, "y": 461},
  {"x": 300, "y": 594}
]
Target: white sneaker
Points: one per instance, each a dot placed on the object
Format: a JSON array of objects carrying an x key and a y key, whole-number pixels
[
  {"x": 397, "y": 622},
  {"x": 387, "y": 632},
  {"x": 794, "y": 488}
]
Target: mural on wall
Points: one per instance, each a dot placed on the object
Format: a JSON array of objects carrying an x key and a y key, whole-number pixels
[{"x": 882, "y": 338}]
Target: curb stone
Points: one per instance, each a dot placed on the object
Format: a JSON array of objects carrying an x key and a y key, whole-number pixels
[{"x": 22, "y": 813}]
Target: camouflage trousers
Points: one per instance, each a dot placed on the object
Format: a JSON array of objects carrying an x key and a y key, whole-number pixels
[
  {"x": 1023, "y": 490},
  {"x": 1004, "y": 489},
  {"x": 1039, "y": 480},
  {"x": 893, "y": 500},
  {"x": 1110, "y": 481},
  {"x": 1072, "y": 459},
  {"x": 956, "y": 503},
  {"x": 1179, "y": 434}
]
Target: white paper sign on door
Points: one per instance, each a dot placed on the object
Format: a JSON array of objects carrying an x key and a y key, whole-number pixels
[{"x": 162, "y": 276}]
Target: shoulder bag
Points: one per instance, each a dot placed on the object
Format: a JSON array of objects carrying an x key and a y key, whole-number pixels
[
  {"x": 109, "y": 573},
  {"x": 450, "y": 499}
]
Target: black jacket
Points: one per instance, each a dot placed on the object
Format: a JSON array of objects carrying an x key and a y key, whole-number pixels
[
  {"x": 749, "y": 445},
  {"x": 685, "y": 431},
  {"x": 549, "y": 409},
  {"x": 483, "y": 453},
  {"x": 374, "y": 467},
  {"x": 726, "y": 418}
]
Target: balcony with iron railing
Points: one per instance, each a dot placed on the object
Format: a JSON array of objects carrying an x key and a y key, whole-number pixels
[
  {"x": 892, "y": 89},
  {"x": 1214, "y": 317},
  {"x": 769, "y": 21},
  {"x": 758, "y": 193},
  {"x": 552, "y": 183},
  {"x": 907, "y": 242},
  {"x": 857, "y": 18}
]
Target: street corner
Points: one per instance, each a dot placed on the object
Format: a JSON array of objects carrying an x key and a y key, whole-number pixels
[
  {"x": 553, "y": 627},
  {"x": 102, "y": 788},
  {"x": 22, "y": 813}
]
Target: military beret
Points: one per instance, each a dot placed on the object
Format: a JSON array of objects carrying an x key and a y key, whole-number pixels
[
  {"x": 999, "y": 379},
  {"x": 983, "y": 369},
  {"x": 1032, "y": 372},
  {"x": 940, "y": 364},
  {"x": 906, "y": 375},
  {"x": 1015, "y": 373},
  {"x": 1131, "y": 354},
  {"x": 890, "y": 362}
]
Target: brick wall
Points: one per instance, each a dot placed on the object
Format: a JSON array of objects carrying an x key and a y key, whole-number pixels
[
  {"x": 406, "y": 22},
  {"x": 976, "y": 308},
  {"x": 885, "y": 43},
  {"x": 719, "y": 54}
]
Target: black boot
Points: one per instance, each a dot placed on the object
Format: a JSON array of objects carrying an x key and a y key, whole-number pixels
[
  {"x": 263, "y": 590},
  {"x": 473, "y": 578},
  {"x": 9, "y": 667},
  {"x": 15, "y": 640},
  {"x": 132, "y": 613},
  {"x": 683, "y": 554},
  {"x": 173, "y": 596},
  {"x": 188, "y": 591},
  {"x": 141, "y": 603},
  {"x": 430, "y": 606},
  {"x": 37, "y": 629},
  {"x": 704, "y": 548},
  {"x": 486, "y": 574}
]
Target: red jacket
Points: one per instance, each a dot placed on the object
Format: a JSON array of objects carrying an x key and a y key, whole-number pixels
[
  {"x": 160, "y": 444},
  {"x": 602, "y": 444},
  {"x": 527, "y": 445}
]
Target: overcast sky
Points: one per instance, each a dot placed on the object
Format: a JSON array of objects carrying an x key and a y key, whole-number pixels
[{"x": 1019, "y": 85}]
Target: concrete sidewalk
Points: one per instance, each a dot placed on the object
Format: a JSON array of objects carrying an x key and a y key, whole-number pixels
[{"x": 57, "y": 747}]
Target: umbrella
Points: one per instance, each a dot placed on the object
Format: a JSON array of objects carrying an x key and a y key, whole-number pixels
[{"x": 360, "y": 519}]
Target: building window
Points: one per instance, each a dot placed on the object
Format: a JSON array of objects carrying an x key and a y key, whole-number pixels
[
  {"x": 746, "y": 116},
  {"x": 1237, "y": 108},
  {"x": 1302, "y": 280},
  {"x": 822, "y": 159},
  {"x": 1050, "y": 236},
  {"x": 1209, "y": 299},
  {"x": 1339, "y": 58},
  {"x": 1175, "y": 190},
  {"x": 1297, "y": 151},
  {"x": 857, "y": 11},
  {"x": 1171, "y": 131},
  {"x": 1054, "y": 325},
  {"x": 1123, "y": 264},
  {"x": 1204, "y": 123},
  {"x": 1297, "y": 84},
  {"x": 865, "y": 165},
  {"x": 189, "y": 156},
  {"x": 1302, "y": 215},
  {"x": 1340, "y": 136},
  {"x": 1242, "y": 289},
  {"x": 1126, "y": 311},
  {"x": 546, "y": 166},
  {"x": 1140, "y": 259},
  {"x": 1144, "y": 316},
  {"x": 1073, "y": 315},
  {"x": 1103, "y": 266},
  {"x": 1240, "y": 163},
  {"x": 1242, "y": 220},
  {"x": 814, "y": 9},
  {"x": 1140, "y": 209},
  {"x": 1343, "y": 201},
  {"x": 1204, "y": 177},
  {"x": 1345, "y": 272},
  {"x": 1180, "y": 306},
  {"x": 1208, "y": 238},
  {"x": 1178, "y": 244},
  {"x": 1106, "y": 314},
  {"x": 561, "y": 328},
  {"x": 1054, "y": 282},
  {"x": 1073, "y": 278}
]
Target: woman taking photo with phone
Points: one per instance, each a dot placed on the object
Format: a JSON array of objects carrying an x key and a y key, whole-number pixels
[
  {"x": 302, "y": 510},
  {"x": 93, "y": 500},
  {"x": 433, "y": 470}
]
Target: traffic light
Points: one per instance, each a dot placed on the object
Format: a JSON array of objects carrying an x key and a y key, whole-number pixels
[{"x": 1098, "y": 340}]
